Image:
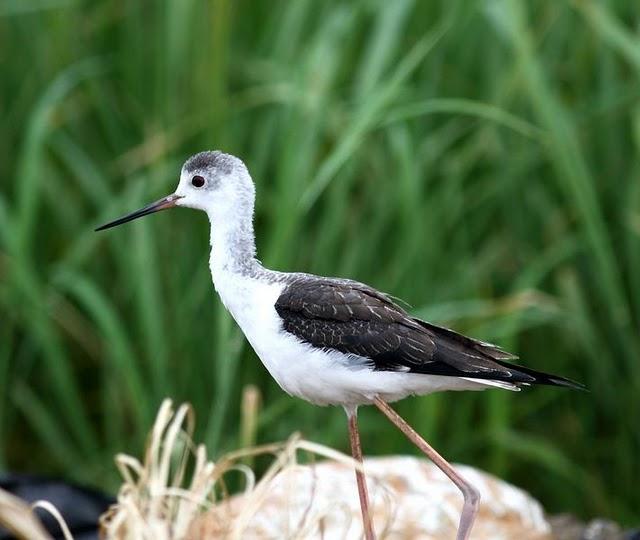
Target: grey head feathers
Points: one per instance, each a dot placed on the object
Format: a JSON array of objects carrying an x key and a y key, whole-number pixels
[
  {"x": 213, "y": 160},
  {"x": 223, "y": 169}
]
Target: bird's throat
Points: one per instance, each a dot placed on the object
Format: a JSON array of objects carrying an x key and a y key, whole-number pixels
[{"x": 233, "y": 248}]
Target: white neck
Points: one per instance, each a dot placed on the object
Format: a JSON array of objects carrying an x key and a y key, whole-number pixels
[
  {"x": 235, "y": 271},
  {"x": 233, "y": 247}
]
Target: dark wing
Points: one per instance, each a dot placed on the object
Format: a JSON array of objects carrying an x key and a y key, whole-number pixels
[{"x": 353, "y": 318}]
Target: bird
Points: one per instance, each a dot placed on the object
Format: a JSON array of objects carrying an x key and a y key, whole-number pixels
[{"x": 334, "y": 341}]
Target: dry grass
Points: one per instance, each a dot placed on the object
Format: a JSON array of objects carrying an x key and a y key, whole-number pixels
[
  {"x": 176, "y": 492},
  {"x": 18, "y": 517},
  {"x": 163, "y": 496}
]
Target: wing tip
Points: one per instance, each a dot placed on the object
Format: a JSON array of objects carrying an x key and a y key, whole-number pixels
[
  {"x": 567, "y": 383},
  {"x": 530, "y": 376}
]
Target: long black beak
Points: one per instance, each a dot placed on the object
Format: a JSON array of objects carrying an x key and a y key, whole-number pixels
[{"x": 162, "y": 204}]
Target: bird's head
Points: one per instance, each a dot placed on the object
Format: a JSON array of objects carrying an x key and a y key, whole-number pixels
[{"x": 212, "y": 181}]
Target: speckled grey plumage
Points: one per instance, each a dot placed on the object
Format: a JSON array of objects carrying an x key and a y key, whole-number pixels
[
  {"x": 220, "y": 168},
  {"x": 212, "y": 160}
]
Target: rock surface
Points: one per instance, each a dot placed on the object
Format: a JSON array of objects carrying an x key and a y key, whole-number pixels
[{"x": 411, "y": 499}]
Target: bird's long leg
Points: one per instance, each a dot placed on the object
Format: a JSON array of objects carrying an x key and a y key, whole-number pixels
[
  {"x": 470, "y": 493},
  {"x": 356, "y": 452}
]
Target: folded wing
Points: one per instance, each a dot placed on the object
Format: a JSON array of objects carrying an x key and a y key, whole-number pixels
[{"x": 353, "y": 318}]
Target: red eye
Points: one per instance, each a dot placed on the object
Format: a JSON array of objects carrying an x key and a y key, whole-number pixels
[{"x": 197, "y": 181}]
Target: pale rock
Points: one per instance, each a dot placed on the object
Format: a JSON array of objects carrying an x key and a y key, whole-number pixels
[{"x": 411, "y": 499}]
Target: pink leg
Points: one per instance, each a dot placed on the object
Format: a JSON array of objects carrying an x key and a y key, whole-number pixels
[
  {"x": 356, "y": 452},
  {"x": 470, "y": 494}
]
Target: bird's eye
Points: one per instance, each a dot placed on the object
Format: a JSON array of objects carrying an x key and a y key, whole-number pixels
[{"x": 197, "y": 181}]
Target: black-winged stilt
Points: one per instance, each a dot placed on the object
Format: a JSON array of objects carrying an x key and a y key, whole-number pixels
[{"x": 334, "y": 341}]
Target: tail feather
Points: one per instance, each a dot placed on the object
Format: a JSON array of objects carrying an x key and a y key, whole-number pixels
[
  {"x": 540, "y": 377},
  {"x": 476, "y": 359}
]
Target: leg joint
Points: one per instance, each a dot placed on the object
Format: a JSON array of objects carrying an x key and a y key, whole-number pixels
[{"x": 471, "y": 495}]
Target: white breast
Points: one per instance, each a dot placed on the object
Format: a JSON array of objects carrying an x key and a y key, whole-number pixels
[{"x": 251, "y": 303}]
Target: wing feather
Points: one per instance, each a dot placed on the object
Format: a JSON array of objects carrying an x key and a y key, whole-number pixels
[{"x": 354, "y": 318}]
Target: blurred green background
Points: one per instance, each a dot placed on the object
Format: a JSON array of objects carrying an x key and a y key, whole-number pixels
[{"x": 480, "y": 159}]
